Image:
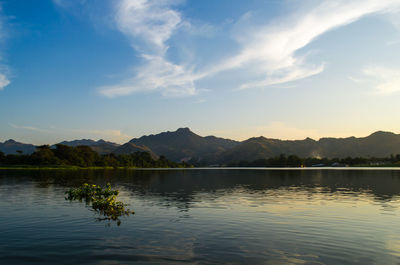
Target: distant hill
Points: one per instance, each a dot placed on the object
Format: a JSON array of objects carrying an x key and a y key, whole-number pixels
[
  {"x": 184, "y": 145},
  {"x": 11, "y": 147},
  {"x": 130, "y": 148},
  {"x": 100, "y": 146},
  {"x": 378, "y": 144},
  {"x": 261, "y": 147}
]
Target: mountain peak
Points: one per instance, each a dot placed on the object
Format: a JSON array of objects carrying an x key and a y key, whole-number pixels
[
  {"x": 10, "y": 141},
  {"x": 382, "y": 134},
  {"x": 184, "y": 130}
]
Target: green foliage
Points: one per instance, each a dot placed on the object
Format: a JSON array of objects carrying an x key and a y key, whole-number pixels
[
  {"x": 103, "y": 201},
  {"x": 85, "y": 157},
  {"x": 44, "y": 156},
  {"x": 295, "y": 161},
  {"x": 91, "y": 192}
]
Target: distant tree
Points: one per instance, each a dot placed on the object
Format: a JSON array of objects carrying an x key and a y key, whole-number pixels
[
  {"x": 65, "y": 154},
  {"x": 44, "y": 156},
  {"x": 86, "y": 155},
  {"x": 110, "y": 161},
  {"x": 2, "y": 157},
  {"x": 294, "y": 161}
]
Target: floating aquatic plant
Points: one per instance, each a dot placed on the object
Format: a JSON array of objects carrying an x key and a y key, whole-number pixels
[{"x": 103, "y": 201}]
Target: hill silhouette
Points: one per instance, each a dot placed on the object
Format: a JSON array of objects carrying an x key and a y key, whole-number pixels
[
  {"x": 185, "y": 145},
  {"x": 100, "y": 146},
  {"x": 11, "y": 147}
]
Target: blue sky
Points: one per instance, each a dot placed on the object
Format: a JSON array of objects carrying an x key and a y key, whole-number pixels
[{"x": 118, "y": 69}]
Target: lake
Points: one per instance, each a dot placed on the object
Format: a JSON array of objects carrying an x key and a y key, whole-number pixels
[{"x": 205, "y": 216}]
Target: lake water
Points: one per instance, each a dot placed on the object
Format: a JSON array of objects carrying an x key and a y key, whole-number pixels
[{"x": 235, "y": 216}]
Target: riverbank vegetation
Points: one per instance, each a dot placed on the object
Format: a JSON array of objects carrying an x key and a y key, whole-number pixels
[
  {"x": 295, "y": 161},
  {"x": 83, "y": 157},
  {"x": 67, "y": 157}
]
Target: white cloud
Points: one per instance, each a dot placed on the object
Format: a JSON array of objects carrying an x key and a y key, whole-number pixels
[
  {"x": 291, "y": 74},
  {"x": 386, "y": 80},
  {"x": 156, "y": 74},
  {"x": 272, "y": 48},
  {"x": 3, "y": 81},
  {"x": 151, "y": 20},
  {"x": 150, "y": 24},
  {"x": 268, "y": 54},
  {"x": 29, "y": 128}
]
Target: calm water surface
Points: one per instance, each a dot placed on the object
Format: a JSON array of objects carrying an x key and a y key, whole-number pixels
[{"x": 205, "y": 217}]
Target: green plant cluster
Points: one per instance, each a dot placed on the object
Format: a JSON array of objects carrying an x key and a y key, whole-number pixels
[{"x": 103, "y": 201}]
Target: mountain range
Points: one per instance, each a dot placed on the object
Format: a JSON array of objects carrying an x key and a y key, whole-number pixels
[
  {"x": 185, "y": 145},
  {"x": 100, "y": 146},
  {"x": 13, "y": 147}
]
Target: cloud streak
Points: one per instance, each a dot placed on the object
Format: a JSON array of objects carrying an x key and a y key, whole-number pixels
[
  {"x": 114, "y": 135},
  {"x": 268, "y": 54},
  {"x": 4, "y": 80},
  {"x": 386, "y": 80},
  {"x": 273, "y": 48},
  {"x": 156, "y": 74},
  {"x": 149, "y": 24},
  {"x": 29, "y": 128}
]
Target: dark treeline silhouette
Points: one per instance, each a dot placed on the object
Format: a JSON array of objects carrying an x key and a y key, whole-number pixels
[
  {"x": 295, "y": 161},
  {"x": 84, "y": 156}
]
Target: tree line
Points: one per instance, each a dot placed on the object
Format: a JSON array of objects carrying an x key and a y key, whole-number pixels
[
  {"x": 295, "y": 161},
  {"x": 84, "y": 156}
]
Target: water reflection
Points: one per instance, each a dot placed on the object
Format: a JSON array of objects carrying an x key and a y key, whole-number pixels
[
  {"x": 205, "y": 217},
  {"x": 182, "y": 187}
]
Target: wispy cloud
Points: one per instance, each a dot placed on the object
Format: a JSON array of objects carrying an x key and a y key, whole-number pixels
[
  {"x": 386, "y": 80},
  {"x": 149, "y": 24},
  {"x": 29, "y": 128},
  {"x": 150, "y": 20},
  {"x": 156, "y": 74},
  {"x": 4, "y": 80},
  {"x": 268, "y": 54},
  {"x": 68, "y": 3},
  {"x": 272, "y": 49},
  {"x": 113, "y": 135}
]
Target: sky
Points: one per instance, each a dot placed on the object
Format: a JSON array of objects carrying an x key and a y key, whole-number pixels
[{"x": 119, "y": 69}]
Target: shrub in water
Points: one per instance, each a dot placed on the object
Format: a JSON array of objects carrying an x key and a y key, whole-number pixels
[{"x": 103, "y": 201}]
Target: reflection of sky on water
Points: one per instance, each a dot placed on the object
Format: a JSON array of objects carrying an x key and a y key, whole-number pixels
[{"x": 237, "y": 216}]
